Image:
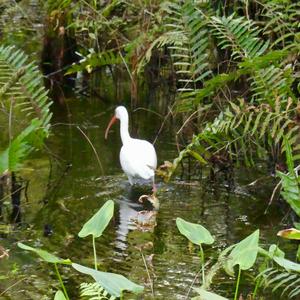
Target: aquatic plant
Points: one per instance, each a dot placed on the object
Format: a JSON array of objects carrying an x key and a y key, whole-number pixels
[
  {"x": 108, "y": 285},
  {"x": 244, "y": 255},
  {"x": 283, "y": 276},
  {"x": 290, "y": 181},
  {"x": 198, "y": 235}
]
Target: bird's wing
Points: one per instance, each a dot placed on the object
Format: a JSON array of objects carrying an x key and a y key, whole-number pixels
[{"x": 138, "y": 159}]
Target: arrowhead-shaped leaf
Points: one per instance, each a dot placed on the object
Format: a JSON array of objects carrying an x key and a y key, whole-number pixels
[
  {"x": 205, "y": 295},
  {"x": 244, "y": 253},
  {"x": 113, "y": 283},
  {"x": 196, "y": 233},
  {"x": 99, "y": 221},
  {"x": 59, "y": 295},
  {"x": 46, "y": 256}
]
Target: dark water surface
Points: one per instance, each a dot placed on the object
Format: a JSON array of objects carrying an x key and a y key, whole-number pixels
[
  {"x": 64, "y": 198},
  {"x": 67, "y": 186}
]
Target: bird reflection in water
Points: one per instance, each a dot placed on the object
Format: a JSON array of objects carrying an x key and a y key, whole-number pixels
[{"x": 137, "y": 212}]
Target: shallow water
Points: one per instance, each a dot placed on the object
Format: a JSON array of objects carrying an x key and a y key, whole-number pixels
[
  {"x": 67, "y": 186},
  {"x": 65, "y": 198}
]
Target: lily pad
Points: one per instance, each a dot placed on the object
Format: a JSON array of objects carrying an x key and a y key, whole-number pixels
[{"x": 113, "y": 283}]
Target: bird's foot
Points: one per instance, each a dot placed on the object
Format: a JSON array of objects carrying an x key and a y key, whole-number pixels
[
  {"x": 143, "y": 198},
  {"x": 151, "y": 198}
]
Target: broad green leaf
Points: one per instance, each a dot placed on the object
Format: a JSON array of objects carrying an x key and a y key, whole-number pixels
[
  {"x": 291, "y": 234},
  {"x": 59, "y": 295},
  {"x": 97, "y": 223},
  {"x": 46, "y": 256},
  {"x": 113, "y": 283},
  {"x": 205, "y": 295},
  {"x": 196, "y": 233},
  {"x": 244, "y": 253},
  {"x": 290, "y": 190},
  {"x": 287, "y": 264}
]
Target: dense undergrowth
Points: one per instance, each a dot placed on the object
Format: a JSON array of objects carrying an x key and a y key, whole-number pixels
[{"x": 235, "y": 66}]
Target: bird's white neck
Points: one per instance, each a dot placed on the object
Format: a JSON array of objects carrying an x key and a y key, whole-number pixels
[{"x": 125, "y": 137}]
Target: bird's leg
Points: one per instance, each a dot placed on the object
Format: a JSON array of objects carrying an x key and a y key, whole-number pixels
[
  {"x": 154, "y": 188},
  {"x": 130, "y": 179}
]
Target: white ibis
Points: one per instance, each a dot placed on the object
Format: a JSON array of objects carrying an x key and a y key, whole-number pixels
[{"x": 137, "y": 157}]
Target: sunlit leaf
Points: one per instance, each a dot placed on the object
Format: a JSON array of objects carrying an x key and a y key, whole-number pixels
[
  {"x": 113, "y": 283},
  {"x": 196, "y": 233},
  {"x": 59, "y": 295},
  {"x": 46, "y": 256},
  {"x": 244, "y": 253},
  {"x": 297, "y": 225},
  {"x": 287, "y": 264},
  {"x": 97, "y": 224},
  {"x": 205, "y": 295},
  {"x": 291, "y": 234},
  {"x": 274, "y": 250}
]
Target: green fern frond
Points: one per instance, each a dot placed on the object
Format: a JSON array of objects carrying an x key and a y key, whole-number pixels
[
  {"x": 22, "y": 93},
  {"x": 280, "y": 280},
  {"x": 290, "y": 182},
  {"x": 58, "y": 4},
  {"x": 22, "y": 83},
  {"x": 238, "y": 34},
  {"x": 187, "y": 38},
  {"x": 271, "y": 83},
  {"x": 282, "y": 23},
  {"x": 93, "y": 291},
  {"x": 95, "y": 60},
  {"x": 244, "y": 132}
]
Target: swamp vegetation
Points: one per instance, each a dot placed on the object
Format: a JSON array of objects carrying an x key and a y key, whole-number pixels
[{"x": 214, "y": 85}]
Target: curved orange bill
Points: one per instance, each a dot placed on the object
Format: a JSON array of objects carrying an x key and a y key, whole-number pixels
[{"x": 112, "y": 121}]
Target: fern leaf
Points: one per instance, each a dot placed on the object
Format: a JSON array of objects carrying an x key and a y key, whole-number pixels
[
  {"x": 238, "y": 34},
  {"x": 22, "y": 87},
  {"x": 93, "y": 291}
]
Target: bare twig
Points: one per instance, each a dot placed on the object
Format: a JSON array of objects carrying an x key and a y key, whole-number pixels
[
  {"x": 94, "y": 149},
  {"x": 10, "y": 287},
  {"x": 149, "y": 277}
]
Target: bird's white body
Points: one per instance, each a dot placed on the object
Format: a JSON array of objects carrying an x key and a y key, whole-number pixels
[
  {"x": 138, "y": 160},
  {"x": 137, "y": 157}
]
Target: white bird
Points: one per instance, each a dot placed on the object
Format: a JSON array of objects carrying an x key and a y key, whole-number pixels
[{"x": 137, "y": 157}]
